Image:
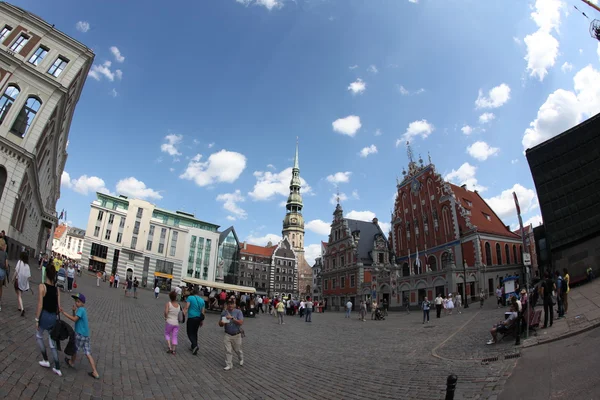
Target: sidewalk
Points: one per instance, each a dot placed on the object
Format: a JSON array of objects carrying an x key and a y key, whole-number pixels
[{"x": 584, "y": 314}]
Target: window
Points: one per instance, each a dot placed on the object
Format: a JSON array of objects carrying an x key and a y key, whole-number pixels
[
  {"x": 133, "y": 242},
  {"x": 98, "y": 250},
  {"x": 136, "y": 227},
  {"x": 100, "y": 215},
  {"x": 161, "y": 248},
  {"x": 7, "y": 100},
  {"x": 131, "y": 257},
  {"x": 25, "y": 117},
  {"x": 107, "y": 234},
  {"x": 151, "y": 232},
  {"x": 122, "y": 223},
  {"x": 38, "y": 56},
  {"x": 380, "y": 258},
  {"x": 333, "y": 283},
  {"x": 97, "y": 231},
  {"x": 487, "y": 216},
  {"x": 468, "y": 203},
  {"x": 498, "y": 254},
  {"x": 163, "y": 233},
  {"x": 58, "y": 67},
  {"x": 326, "y": 284},
  {"x": 277, "y": 270},
  {"x": 488, "y": 254},
  {"x": 166, "y": 267},
  {"x": 515, "y": 258},
  {"x": 19, "y": 43},
  {"x": 4, "y": 33},
  {"x": 507, "y": 253},
  {"x": 352, "y": 282},
  {"x": 446, "y": 260},
  {"x": 119, "y": 237},
  {"x": 343, "y": 282},
  {"x": 111, "y": 218},
  {"x": 174, "y": 243},
  {"x": 149, "y": 245},
  {"x": 140, "y": 212}
]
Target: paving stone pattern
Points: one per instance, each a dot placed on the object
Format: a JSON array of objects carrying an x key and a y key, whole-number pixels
[{"x": 330, "y": 358}]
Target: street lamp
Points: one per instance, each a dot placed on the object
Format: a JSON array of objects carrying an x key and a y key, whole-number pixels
[{"x": 462, "y": 253}]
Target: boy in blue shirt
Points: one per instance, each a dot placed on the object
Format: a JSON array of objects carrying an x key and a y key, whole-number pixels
[{"x": 82, "y": 333}]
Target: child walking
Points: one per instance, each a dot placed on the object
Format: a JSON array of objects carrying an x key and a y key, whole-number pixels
[{"x": 82, "y": 333}]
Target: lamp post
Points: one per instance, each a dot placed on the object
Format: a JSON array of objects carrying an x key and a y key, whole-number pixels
[{"x": 462, "y": 253}]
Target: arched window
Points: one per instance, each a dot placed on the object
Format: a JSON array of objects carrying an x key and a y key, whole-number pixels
[
  {"x": 417, "y": 267},
  {"x": 3, "y": 176},
  {"x": 498, "y": 254},
  {"x": 488, "y": 254},
  {"x": 25, "y": 117},
  {"x": 7, "y": 100},
  {"x": 405, "y": 270},
  {"x": 515, "y": 258},
  {"x": 432, "y": 261},
  {"x": 507, "y": 252},
  {"x": 445, "y": 260}
]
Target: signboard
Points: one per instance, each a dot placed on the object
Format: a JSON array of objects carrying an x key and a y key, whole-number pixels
[{"x": 527, "y": 259}]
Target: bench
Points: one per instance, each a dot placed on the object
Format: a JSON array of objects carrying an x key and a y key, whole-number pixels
[{"x": 534, "y": 319}]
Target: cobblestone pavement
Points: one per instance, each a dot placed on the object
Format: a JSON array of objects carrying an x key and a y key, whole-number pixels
[{"x": 330, "y": 358}]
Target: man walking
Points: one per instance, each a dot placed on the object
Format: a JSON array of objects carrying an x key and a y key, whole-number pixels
[
  {"x": 308, "y": 307},
  {"x": 348, "y": 309},
  {"x": 438, "y": 305},
  {"x": 232, "y": 319}
]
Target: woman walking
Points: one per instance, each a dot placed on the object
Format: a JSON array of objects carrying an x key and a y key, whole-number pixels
[
  {"x": 70, "y": 277},
  {"x": 280, "y": 310},
  {"x": 172, "y": 309},
  {"x": 3, "y": 267},
  {"x": 426, "y": 306},
  {"x": 21, "y": 279},
  {"x": 47, "y": 310}
]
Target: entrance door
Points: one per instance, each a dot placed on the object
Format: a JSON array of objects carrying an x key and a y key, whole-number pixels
[
  {"x": 422, "y": 293},
  {"x": 386, "y": 297},
  {"x": 405, "y": 297},
  {"x": 471, "y": 289},
  {"x": 491, "y": 286},
  {"x": 440, "y": 290},
  {"x": 145, "y": 271}
]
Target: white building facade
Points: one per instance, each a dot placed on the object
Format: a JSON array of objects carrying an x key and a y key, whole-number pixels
[
  {"x": 68, "y": 241},
  {"x": 42, "y": 73},
  {"x": 134, "y": 238}
]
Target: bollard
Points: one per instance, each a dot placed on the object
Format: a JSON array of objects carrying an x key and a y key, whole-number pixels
[{"x": 451, "y": 386}]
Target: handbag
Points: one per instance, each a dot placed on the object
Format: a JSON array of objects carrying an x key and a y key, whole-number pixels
[{"x": 181, "y": 315}]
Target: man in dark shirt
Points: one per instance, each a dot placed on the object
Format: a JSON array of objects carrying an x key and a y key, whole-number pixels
[{"x": 545, "y": 292}]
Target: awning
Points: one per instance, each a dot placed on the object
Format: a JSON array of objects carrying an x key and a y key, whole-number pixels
[
  {"x": 102, "y": 260},
  {"x": 163, "y": 275},
  {"x": 219, "y": 285}
]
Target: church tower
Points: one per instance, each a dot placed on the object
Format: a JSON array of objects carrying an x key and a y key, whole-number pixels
[{"x": 293, "y": 228}]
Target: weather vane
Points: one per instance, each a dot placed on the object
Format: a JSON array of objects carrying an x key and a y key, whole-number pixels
[{"x": 409, "y": 152}]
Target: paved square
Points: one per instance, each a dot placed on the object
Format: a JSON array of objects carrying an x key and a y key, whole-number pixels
[{"x": 330, "y": 358}]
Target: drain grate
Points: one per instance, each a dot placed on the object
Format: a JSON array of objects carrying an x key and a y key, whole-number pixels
[
  {"x": 489, "y": 359},
  {"x": 511, "y": 356}
]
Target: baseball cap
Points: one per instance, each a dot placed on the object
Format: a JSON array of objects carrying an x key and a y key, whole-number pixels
[{"x": 79, "y": 296}]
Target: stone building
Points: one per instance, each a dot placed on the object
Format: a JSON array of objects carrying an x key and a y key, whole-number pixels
[
  {"x": 441, "y": 233},
  {"x": 530, "y": 248},
  {"x": 42, "y": 73},
  {"x": 133, "y": 237},
  {"x": 317, "y": 274},
  {"x": 354, "y": 250},
  {"x": 293, "y": 230},
  {"x": 284, "y": 268},
  {"x": 255, "y": 263},
  {"x": 68, "y": 241}
]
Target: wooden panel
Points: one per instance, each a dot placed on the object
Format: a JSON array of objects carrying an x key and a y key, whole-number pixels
[
  {"x": 13, "y": 34},
  {"x": 33, "y": 41}
]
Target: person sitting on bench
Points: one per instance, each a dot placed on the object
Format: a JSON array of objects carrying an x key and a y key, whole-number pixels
[{"x": 503, "y": 326}]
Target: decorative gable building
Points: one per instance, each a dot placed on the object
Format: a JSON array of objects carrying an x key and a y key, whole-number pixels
[
  {"x": 442, "y": 232},
  {"x": 68, "y": 241},
  {"x": 355, "y": 253}
]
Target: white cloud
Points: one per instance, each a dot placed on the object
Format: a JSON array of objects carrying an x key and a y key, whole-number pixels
[
  {"x": 358, "y": 86},
  {"x": 378, "y": 132},
  {"x": 353, "y": 66},
  {"x": 567, "y": 66},
  {"x": 82, "y": 26},
  {"x": 467, "y": 130},
  {"x": 403, "y": 91},
  {"x": 230, "y": 201},
  {"x": 413, "y": 1},
  {"x": 172, "y": 169},
  {"x": 333, "y": 200},
  {"x": 481, "y": 150},
  {"x": 211, "y": 145},
  {"x": 542, "y": 47},
  {"x": 268, "y": 4},
  {"x": 372, "y": 149},
  {"x": 465, "y": 175},
  {"x": 270, "y": 166},
  {"x": 504, "y": 204},
  {"x": 347, "y": 126},
  {"x": 372, "y": 69},
  {"x": 98, "y": 71},
  {"x": 88, "y": 184},
  {"x": 497, "y": 97},
  {"x": 416, "y": 128},
  {"x": 311, "y": 252},
  {"x": 117, "y": 53},
  {"x": 223, "y": 166},
  {"x": 263, "y": 240},
  {"x": 536, "y": 220},
  {"x": 230, "y": 218},
  {"x": 486, "y": 117},
  {"x": 517, "y": 40},
  {"x": 134, "y": 188},
  {"x": 339, "y": 177},
  {"x": 65, "y": 180},
  {"x": 171, "y": 146},
  {"x": 319, "y": 227},
  {"x": 355, "y": 195},
  {"x": 269, "y": 184},
  {"x": 514, "y": 161},
  {"x": 598, "y": 50},
  {"x": 564, "y": 109},
  {"x": 114, "y": 92}
]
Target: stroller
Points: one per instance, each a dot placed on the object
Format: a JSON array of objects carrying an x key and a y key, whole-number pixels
[
  {"x": 379, "y": 315},
  {"x": 61, "y": 279}
]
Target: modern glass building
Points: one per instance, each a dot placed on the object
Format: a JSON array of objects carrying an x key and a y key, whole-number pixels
[{"x": 228, "y": 256}]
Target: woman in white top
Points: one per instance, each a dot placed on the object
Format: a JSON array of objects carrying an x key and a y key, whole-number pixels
[
  {"x": 172, "y": 309},
  {"x": 70, "y": 277},
  {"x": 450, "y": 304},
  {"x": 21, "y": 279}
]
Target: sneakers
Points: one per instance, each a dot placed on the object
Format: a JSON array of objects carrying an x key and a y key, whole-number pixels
[
  {"x": 45, "y": 364},
  {"x": 227, "y": 368},
  {"x": 57, "y": 371},
  {"x": 241, "y": 362},
  {"x": 195, "y": 351}
]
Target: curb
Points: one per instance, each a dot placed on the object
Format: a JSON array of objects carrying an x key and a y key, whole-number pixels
[{"x": 565, "y": 336}]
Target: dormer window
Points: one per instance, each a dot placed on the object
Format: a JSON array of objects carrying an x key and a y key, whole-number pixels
[{"x": 487, "y": 216}]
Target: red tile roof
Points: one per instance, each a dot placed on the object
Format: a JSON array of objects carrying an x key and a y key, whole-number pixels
[
  {"x": 60, "y": 231},
  {"x": 324, "y": 244},
  {"x": 479, "y": 208},
  {"x": 257, "y": 250}
]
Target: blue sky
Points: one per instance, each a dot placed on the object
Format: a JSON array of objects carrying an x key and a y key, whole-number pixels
[{"x": 211, "y": 95}]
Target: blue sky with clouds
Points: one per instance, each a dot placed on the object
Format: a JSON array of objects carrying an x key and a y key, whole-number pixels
[{"x": 197, "y": 106}]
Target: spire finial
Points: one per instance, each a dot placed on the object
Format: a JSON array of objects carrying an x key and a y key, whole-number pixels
[
  {"x": 409, "y": 152},
  {"x": 296, "y": 163},
  {"x": 337, "y": 198},
  {"x": 429, "y": 156}
]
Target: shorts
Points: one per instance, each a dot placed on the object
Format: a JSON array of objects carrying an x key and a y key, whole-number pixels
[
  {"x": 82, "y": 344},
  {"x": 2, "y": 275},
  {"x": 501, "y": 328}
]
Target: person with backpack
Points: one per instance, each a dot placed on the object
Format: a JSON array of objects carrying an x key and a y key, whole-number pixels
[{"x": 545, "y": 292}]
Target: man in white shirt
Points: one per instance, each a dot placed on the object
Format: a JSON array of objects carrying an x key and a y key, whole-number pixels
[
  {"x": 260, "y": 304},
  {"x": 302, "y": 305},
  {"x": 438, "y": 305},
  {"x": 348, "y": 309},
  {"x": 178, "y": 292}
]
